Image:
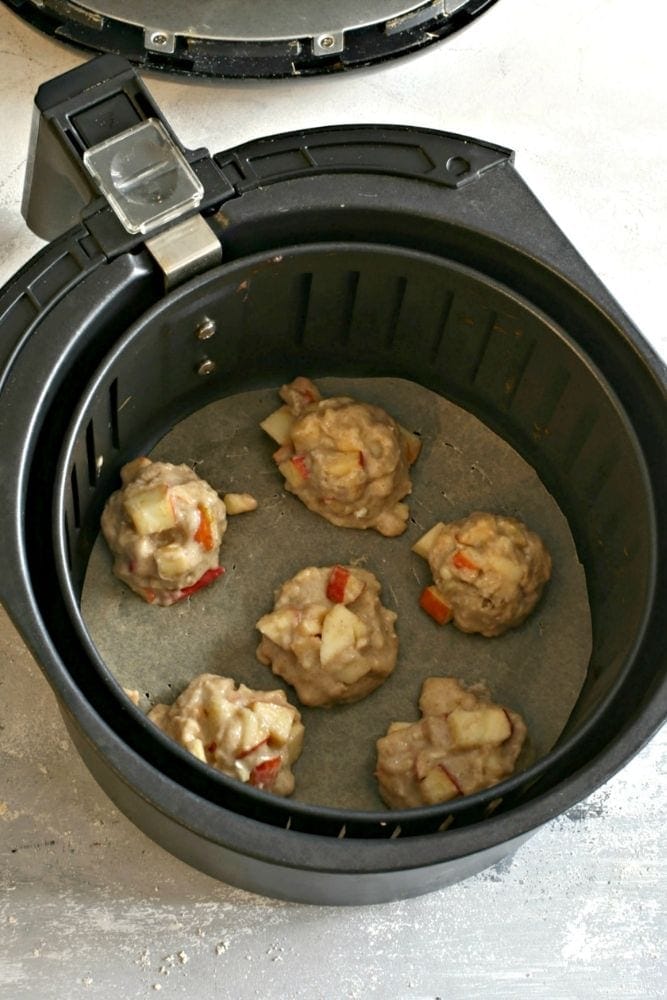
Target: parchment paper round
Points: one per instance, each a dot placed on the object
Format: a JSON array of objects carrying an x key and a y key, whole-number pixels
[{"x": 538, "y": 669}]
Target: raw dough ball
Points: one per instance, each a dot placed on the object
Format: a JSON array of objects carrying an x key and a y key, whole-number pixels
[
  {"x": 164, "y": 528},
  {"x": 347, "y": 461},
  {"x": 489, "y": 572},
  {"x": 329, "y": 636},
  {"x": 462, "y": 744},
  {"x": 254, "y": 736}
]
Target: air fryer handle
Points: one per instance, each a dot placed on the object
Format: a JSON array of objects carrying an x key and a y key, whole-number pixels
[{"x": 72, "y": 113}]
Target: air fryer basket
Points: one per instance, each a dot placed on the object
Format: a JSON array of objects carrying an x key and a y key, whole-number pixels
[{"x": 363, "y": 251}]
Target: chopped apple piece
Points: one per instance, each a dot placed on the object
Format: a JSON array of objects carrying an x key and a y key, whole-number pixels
[
  {"x": 353, "y": 671},
  {"x": 360, "y": 630},
  {"x": 253, "y": 732},
  {"x": 130, "y": 471},
  {"x": 133, "y": 695},
  {"x": 219, "y": 712},
  {"x": 295, "y": 470},
  {"x": 279, "y": 626},
  {"x": 478, "y": 727},
  {"x": 440, "y": 695},
  {"x": 344, "y": 587},
  {"x": 264, "y": 774},
  {"x": 393, "y": 522},
  {"x": 343, "y": 463},
  {"x": 278, "y": 424},
  {"x": 433, "y": 604},
  {"x": 172, "y": 561},
  {"x": 439, "y": 785},
  {"x": 423, "y": 545},
  {"x": 239, "y": 503},
  {"x": 151, "y": 510},
  {"x": 246, "y": 753},
  {"x": 276, "y": 718},
  {"x": 299, "y": 394},
  {"x": 196, "y": 747},
  {"x": 338, "y": 633},
  {"x": 511, "y": 569},
  {"x": 411, "y": 445},
  {"x": 311, "y": 619}
]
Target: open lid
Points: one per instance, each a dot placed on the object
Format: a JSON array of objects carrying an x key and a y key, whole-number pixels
[{"x": 264, "y": 38}]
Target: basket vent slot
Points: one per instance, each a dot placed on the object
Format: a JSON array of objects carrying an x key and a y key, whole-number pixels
[
  {"x": 90, "y": 454},
  {"x": 486, "y": 340},
  {"x": 67, "y": 542},
  {"x": 113, "y": 414},
  {"x": 301, "y": 312},
  {"x": 397, "y": 306},
  {"x": 442, "y": 326},
  {"x": 350, "y": 293},
  {"x": 76, "y": 502}
]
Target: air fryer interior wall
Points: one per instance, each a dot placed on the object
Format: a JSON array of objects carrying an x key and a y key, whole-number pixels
[{"x": 350, "y": 310}]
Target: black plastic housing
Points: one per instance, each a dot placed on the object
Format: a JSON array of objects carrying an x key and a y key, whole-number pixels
[{"x": 367, "y": 250}]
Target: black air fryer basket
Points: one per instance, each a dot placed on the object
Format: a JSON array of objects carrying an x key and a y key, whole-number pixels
[{"x": 360, "y": 251}]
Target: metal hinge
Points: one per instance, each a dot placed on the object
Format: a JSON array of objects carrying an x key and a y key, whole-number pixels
[{"x": 185, "y": 249}]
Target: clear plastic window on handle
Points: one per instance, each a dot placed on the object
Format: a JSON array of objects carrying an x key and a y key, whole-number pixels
[{"x": 144, "y": 177}]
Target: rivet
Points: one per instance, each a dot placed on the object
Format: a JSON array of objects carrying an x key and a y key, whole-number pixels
[
  {"x": 159, "y": 39},
  {"x": 326, "y": 41},
  {"x": 206, "y": 367},
  {"x": 205, "y": 329}
]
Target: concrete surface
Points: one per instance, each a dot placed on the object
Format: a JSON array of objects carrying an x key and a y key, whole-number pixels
[{"x": 89, "y": 907}]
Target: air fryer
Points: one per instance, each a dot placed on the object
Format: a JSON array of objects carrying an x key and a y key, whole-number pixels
[{"x": 362, "y": 251}]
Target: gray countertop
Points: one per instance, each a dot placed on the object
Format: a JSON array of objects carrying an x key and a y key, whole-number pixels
[{"x": 89, "y": 907}]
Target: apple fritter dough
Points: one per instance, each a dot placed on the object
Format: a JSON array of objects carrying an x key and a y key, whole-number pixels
[
  {"x": 254, "y": 736},
  {"x": 345, "y": 460},
  {"x": 329, "y": 636},
  {"x": 462, "y": 744},
  {"x": 164, "y": 528},
  {"x": 489, "y": 572}
]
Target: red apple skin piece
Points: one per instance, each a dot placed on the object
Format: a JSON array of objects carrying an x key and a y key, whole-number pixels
[
  {"x": 264, "y": 774},
  {"x": 343, "y": 587},
  {"x": 204, "y": 532},
  {"x": 299, "y": 463},
  {"x": 337, "y": 582},
  {"x": 451, "y": 778},
  {"x": 432, "y": 603},
  {"x": 208, "y": 577},
  {"x": 246, "y": 753},
  {"x": 461, "y": 561}
]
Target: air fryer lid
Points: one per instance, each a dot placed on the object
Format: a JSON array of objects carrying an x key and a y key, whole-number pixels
[
  {"x": 289, "y": 213},
  {"x": 264, "y": 38}
]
